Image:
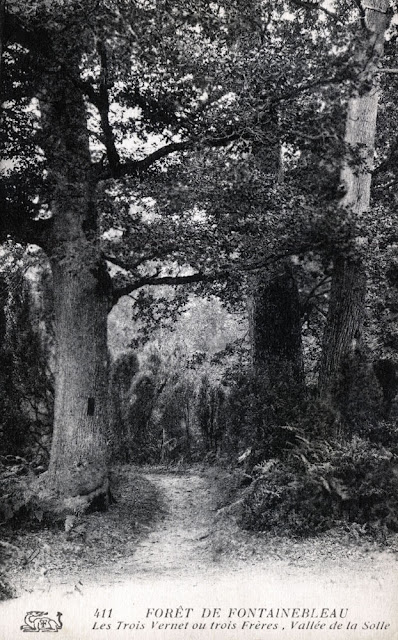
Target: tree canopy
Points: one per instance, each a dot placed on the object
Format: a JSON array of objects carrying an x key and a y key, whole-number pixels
[{"x": 148, "y": 142}]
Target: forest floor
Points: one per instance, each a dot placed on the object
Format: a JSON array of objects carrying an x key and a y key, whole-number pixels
[{"x": 167, "y": 523}]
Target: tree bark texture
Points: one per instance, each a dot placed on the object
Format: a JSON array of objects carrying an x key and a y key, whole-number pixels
[
  {"x": 342, "y": 337},
  {"x": 78, "y": 452},
  {"x": 276, "y": 319},
  {"x": 274, "y": 313},
  {"x": 81, "y": 298},
  {"x": 276, "y": 332}
]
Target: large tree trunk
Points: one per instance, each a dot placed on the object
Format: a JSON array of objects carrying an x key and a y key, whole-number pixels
[
  {"x": 276, "y": 321},
  {"x": 276, "y": 338},
  {"x": 78, "y": 452},
  {"x": 342, "y": 338},
  {"x": 81, "y": 294},
  {"x": 275, "y": 318}
]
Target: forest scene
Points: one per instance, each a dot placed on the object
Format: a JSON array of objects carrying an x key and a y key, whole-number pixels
[{"x": 198, "y": 286}]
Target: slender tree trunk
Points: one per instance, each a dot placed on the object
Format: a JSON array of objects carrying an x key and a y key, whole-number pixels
[
  {"x": 343, "y": 331},
  {"x": 81, "y": 294}
]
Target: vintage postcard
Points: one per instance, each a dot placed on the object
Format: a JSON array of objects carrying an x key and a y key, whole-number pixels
[{"x": 198, "y": 319}]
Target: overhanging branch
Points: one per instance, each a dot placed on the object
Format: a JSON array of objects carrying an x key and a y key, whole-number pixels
[
  {"x": 165, "y": 280},
  {"x": 387, "y": 70},
  {"x": 138, "y": 167},
  {"x": 131, "y": 265},
  {"x": 223, "y": 273}
]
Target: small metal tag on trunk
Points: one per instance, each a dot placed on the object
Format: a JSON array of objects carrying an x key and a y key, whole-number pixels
[{"x": 90, "y": 406}]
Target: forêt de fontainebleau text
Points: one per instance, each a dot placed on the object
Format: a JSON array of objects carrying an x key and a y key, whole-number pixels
[{"x": 243, "y": 618}]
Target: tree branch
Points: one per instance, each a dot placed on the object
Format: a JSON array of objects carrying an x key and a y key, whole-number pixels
[
  {"x": 223, "y": 273},
  {"x": 103, "y": 107},
  {"x": 306, "y": 4},
  {"x": 166, "y": 280},
  {"x": 119, "y": 263},
  {"x": 129, "y": 266},
  {"x": 137, "y": 167}
]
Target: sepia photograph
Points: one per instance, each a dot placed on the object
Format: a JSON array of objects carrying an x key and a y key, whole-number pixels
[{"x": 199, "y": 319}]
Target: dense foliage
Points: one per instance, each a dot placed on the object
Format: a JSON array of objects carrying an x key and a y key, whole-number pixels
[
  {"x": 210, "y": 156},
  {"x": 26, "y": 400},
  {"x": 322, "y": 484}
]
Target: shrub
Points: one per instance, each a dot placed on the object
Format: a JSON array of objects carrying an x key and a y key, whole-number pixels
[
  {"x": 26, "y": 380},
  {"x": 18, "y": 494},
  {"x": 384, "y": 432},
  {"x": 258, "y": 416},
  {"x": 322, "y": 484},
  {"x": 122, "y": 374}
]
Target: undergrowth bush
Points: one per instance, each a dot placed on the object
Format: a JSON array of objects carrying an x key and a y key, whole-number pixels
[
  {"x": 322, "y": 484},
  {"x": 258, "y": 414},
  {"x": 18, "y": 496},
  {"x": 384, "y": 432},
  {"x": 26, "y": 502}
]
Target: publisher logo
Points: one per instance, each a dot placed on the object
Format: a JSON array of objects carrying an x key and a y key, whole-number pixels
[{"x": 40, "y": 621}]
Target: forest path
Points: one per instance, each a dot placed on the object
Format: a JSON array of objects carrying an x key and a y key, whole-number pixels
[
  {"x": 167, "y": 526},
  {"x": 165, "y": 544},
  {"x": 179, "y": 542},
  {"x": 194, "y": 538}
]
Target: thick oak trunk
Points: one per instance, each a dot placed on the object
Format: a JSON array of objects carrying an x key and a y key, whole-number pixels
[
  {"x": 342, "y": 338},
  {"x": 78, "y": 454},
  {"x": 275, "y": 319},
  {"x": 276, "y": 338},
  {"x": 276, "y": 322}
]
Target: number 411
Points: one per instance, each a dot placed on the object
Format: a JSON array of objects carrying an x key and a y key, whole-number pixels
[{"x": 103, "y": 613}]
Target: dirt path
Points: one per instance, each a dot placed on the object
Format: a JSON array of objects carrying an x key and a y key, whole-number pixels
[
  {"x": 180, "y": 541},
  {"x": 194, "y": 556},
  {"x": 168, "y": 525},
  {"x": 195, "y": 538}
]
